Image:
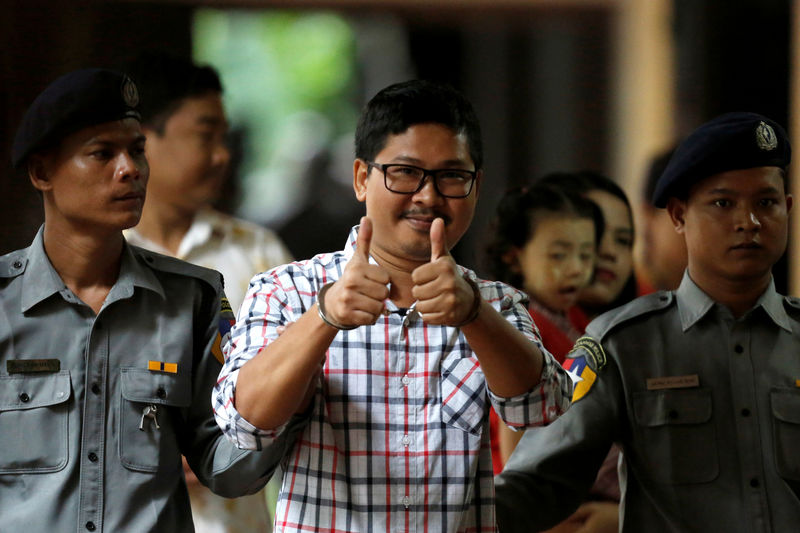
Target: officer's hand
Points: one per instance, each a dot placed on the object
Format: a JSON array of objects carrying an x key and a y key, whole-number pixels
[
  {"x": 356, "y": 299},
  {"x": 443, "y": 296}
]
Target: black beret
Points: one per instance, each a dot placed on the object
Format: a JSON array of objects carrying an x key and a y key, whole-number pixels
[
  {"x": 74, "y": 101},
  {"x": 732, "y": 141}
]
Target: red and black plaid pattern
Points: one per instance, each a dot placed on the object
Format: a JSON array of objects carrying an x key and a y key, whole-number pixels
[{"x": 398, "y": 438}]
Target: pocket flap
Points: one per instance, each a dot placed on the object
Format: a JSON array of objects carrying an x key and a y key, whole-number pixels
[
  {"x": 669, "y": 407},
  {"x": 142, "y": 385},
  {"x": 29, "y": 391},
  {"x": 786, "y": 405}
]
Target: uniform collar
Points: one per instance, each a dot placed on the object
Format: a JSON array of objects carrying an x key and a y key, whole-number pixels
[
  {"x": 40, "y": 280},
  {"x": 694, "y": 304}
]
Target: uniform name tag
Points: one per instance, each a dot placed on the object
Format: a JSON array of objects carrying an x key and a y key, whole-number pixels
[
  {"x": 673, "y": 382},
  {"x": 24, "y": 366}
]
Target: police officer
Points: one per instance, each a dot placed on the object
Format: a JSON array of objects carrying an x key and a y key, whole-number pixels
[
  {"x": 107, "y": 352},
  {"x": 701, "y": 385}
]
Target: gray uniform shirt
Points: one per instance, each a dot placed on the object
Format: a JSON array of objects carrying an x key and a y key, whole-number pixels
[
  {"x": 705, "y": 406},
  {"x": 78, "y": 450}
]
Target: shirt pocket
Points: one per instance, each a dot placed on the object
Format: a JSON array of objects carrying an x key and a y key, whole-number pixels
[
  {"x": 154, "y": 447},
  {"x": 678, "y": 439},
  {"x": 785, "y": 404},
  {"x": 463, "y": 394},
  {"x": 34, "y": 422}
]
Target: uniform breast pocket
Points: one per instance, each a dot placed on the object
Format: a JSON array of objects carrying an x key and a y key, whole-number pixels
[
  {"x": 34, "y": 422},
  {"x": 149, "y": 417},
  {"x": 785, "y": 404},
  {"x": 678, "y": 440},
  {"x": 463, "y": 394}
]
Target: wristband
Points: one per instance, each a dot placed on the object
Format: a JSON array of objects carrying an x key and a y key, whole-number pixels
[
  {"x": 476, "y": 304},
  {"x": 321, "y": 309}
]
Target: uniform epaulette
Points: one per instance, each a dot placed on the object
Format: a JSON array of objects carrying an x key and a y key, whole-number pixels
[
  {"x": 13, "y": 264},
  {"x": 792, "y": 301},
  {"x": 172, "y": 265},
  {"x": 648, "y": 303}
]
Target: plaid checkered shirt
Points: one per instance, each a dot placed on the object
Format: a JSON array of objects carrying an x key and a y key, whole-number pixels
[{"x": 398, "y": 436}]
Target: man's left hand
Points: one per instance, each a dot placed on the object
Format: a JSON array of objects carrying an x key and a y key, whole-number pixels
[{"x": 443, "y": 296}]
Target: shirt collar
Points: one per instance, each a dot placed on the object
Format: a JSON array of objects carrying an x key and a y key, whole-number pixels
[
  {"x": 41, "y": 280},
  {"x": 694, "y": 304}
]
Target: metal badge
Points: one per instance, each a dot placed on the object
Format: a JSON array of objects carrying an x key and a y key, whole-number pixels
[
  {"x": 130, "y": 94},
  {"x": 765, "y": 137}
]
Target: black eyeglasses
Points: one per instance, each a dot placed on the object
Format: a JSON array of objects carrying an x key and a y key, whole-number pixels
[{"x": 408, "y": 179}]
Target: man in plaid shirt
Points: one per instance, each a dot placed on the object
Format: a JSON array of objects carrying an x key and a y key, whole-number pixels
[{"x": 396, "y": 353}]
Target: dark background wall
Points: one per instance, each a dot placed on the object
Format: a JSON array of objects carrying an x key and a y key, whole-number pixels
[{"x": 539, "y": 76}]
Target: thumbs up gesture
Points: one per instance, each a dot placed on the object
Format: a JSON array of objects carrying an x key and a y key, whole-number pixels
[
  {"x": 443, "y": 296},
  {"x": 356, "y": 299}
]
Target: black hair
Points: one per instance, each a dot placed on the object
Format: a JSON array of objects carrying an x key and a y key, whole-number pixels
[
  {"x": 397, "y": 107},
  {"x": 581, "y": 183},
  {"x": 164, "y": 81},
  {"x": 518, "y": 214}
]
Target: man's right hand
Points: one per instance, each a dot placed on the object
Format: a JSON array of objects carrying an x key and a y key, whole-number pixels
[{"x": 357, "y": 298}]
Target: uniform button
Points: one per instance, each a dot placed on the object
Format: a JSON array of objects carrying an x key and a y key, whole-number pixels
[
  {"x": 405, "y": 380},
  {"x": 406, "y": 501},
  {"x": 738, "y": 348},
  {"x": 93, "y": 457},
  {"x": 161, "y": 393},
  {"x": 406, "y": 440},
  {"x": 95, "y": 388},
  {"x": 754, "y": 482},
  {"x": 745, "y": 412},
  {"x": 17, "y": 264},
  {"x": 90, "y": 526},
  {"x": 24, "y": 398}
]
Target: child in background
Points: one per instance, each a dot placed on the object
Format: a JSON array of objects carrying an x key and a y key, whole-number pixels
[
  {"x": 614, "y": 283},
  {"x": 544, "y": 242}
]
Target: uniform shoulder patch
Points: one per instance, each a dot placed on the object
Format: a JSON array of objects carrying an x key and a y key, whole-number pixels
[
  {"x": 583, "y": 362},
  {"x": 226, "y": 321}
]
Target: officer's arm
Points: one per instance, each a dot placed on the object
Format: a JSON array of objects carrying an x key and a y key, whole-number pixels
[
  {"x": 216, "y": 460},
  {"x": 553, "y": 468}
]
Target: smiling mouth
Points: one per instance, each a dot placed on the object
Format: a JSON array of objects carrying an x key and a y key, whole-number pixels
[{"x": 425, "y": 218}]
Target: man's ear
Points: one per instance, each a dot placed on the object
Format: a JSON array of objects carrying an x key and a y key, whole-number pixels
[
  {"x": 677, "y": 213},
  {"x": 478, "y": 180},
  {"x": 38, "y": 172},
  {"x": 360, "y": 173}
]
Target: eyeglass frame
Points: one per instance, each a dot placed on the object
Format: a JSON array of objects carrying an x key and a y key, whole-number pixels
[{"x": 425, "y": 173}]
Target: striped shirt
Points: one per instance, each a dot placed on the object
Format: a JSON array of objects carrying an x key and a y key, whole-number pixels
[{"x": 397, "y": 438}]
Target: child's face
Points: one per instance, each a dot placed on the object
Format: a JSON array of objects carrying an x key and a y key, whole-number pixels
[{"x": 558, "y": 261}]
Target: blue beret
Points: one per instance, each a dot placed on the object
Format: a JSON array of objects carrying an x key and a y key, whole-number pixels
[
  {"x": 74, "y": 101},
  {"x": 732, "y": 141}
]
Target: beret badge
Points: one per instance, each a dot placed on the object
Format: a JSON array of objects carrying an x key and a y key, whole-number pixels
[
  {"x": 130, "y": 94},
  {"x": 765, "y": 137}
]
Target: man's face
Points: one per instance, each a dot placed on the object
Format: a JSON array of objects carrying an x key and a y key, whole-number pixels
[
  {"x": 95, "y": 178},
  {"x": 735, "y": 224},
  {"x": 189, "y": 160},
  {"x": 402, "y": 222}
]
